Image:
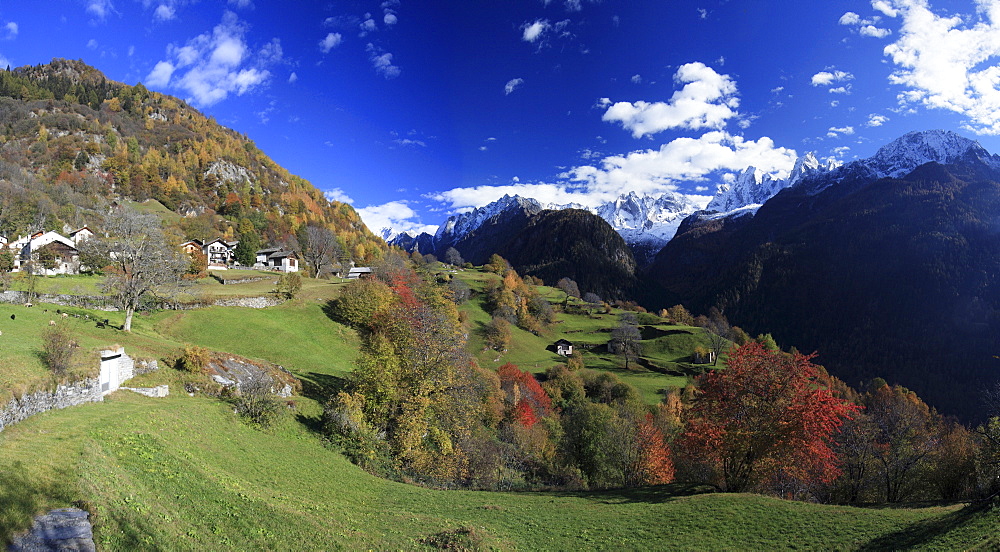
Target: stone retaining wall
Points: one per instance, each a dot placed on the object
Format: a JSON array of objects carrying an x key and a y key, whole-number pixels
[
  {"x": 98, "y": 302},
  {"x": 250, "y": 302},
  {"x": 88, "y": 390}
]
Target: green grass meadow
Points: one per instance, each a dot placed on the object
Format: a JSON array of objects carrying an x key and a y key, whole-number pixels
[{"x": 185, "y": 473}]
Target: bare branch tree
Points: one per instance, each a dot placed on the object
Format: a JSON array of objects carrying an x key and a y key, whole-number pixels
[
  {"x": 321, "y": 248},
  {"x": 626, "y": 339},
  {"x": 137, "y": 259}
]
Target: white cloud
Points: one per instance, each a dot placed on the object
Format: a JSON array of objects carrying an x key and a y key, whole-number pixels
[
  {"x": 390, "y": 19},
  {"x": 534, "y": 31},
  {"x": 841, "y": 151},
  {"x": 331, "y": 41},
  {"x": 512, "y": 85},
  {"x": 679, "y": 160},
  {"x": 824, "y": 78},
  {"x": 215, "y": 64},
  {"x": 948, "y": 62},
  {"x": 876, "y": 120},
  {"x": 242, "y": 4},
  {"x": 872, "y": 30},
  {"x": 840, "y": 90},
  {"x": 337, "y": 194},
  {"x": 382, "y": 62},
  {"x": 164, "y": 12},
  {"x": 367, "y": 26},
  {"x": 702, "y": 13},
  {"x": 835, "y": 132},
  {"x": 850, "y": 18},
  {"x": 636, "y": 79},
  {"x": 159, "y": 77},
  {"x": 92, "y": 44},
  {"x": 265, "y": 114},
  {"x": 887, "y": 8},
  {"x": 292, "y": 78},
  {"x": 713, "y": 154},
  {"x": 10, "y": 30},
  {"x": 707, "y": 100},
  {"x": 100, "y": 8},
  {"x": 865, "y": 27},
  {"x": 573, "y": 5},
  {"x": 396, "y": 215},
  {"x": 410, "y": 142}
]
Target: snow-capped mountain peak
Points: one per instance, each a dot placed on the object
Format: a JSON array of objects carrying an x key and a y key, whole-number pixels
[
  {"x": 913, "y": 149},
  {"x": 460, "y": 225},
  {"x": 906, "y": 153},
  {"x": 754, "y": 187}
]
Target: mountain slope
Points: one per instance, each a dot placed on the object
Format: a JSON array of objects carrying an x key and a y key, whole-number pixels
[
  {"x": 73, "y": 138},
  {"x": 577, "y": 244},
  {"x": 645, "y": 222},
  {"x": 890, "y": 277}
]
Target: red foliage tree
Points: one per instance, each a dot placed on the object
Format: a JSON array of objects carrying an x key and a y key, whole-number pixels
[
  {"x": 766, "y": 415},
  {"x": 526, "y": 401}
]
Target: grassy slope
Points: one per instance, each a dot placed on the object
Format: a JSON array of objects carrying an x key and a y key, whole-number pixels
[
  {"x": 183, "y": 473},
  {"x": 529, "y": 351}
]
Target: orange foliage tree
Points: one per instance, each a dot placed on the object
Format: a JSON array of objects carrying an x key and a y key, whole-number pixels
[
  {"x": 767, "y": 415},
  {"x": 654, "y": 465}
]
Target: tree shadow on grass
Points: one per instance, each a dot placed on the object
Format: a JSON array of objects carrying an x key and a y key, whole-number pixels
[
  {"x": 922, "y": 531},
  {"x": 330, "y": 310},
  {"x": 652, "y": 494},
  {"x": 318, "y": 387},
  {"x": 22, "y": 498}
]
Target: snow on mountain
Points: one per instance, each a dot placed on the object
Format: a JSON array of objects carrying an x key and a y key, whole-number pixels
[
  {"x": 902, "y": 155},
  {"x": 458, "y": 226},
  {"x": 646, "y": 223},
  {"x": 754, "y": 187}
]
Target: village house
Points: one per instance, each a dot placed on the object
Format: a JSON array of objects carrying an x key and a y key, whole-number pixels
[
  {"x": 189, "y": 247},
  {"x": 220, "y": 253},
  {"x": 276, "y": 258},
  {"x": 564, "y": 348},
  {"x": 50, "y": 253}
]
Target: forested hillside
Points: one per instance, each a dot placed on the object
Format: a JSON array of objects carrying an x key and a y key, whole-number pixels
[
  {"x": 73, "y": 140},
  {"x": 894, "y": 278}
]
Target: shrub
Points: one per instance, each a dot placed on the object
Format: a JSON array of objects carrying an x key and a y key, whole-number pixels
[
  {"x": 255, "y": 402},
  {"x": 194, "y": 359},
  {"x": 58, "y": 349},
  {"x": 497, "y": 334},
  {"x": 289, "y": 285}
]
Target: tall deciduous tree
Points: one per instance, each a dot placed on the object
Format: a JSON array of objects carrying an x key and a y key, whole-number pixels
[
  {"x": 626, "y": 340},
  {"x": 453, "y": 257},
  {"x": 320, "y": 248},
  {"x": 766, "y": 415},
  {"x": 137, "y": 259},
  {"x": 569, "y": 287}
]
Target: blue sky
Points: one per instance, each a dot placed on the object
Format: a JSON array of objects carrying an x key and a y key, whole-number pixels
[{"x": 410, "y": 112}]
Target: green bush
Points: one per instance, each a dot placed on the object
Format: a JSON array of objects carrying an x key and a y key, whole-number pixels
[{"x": 194, "y": 359}]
